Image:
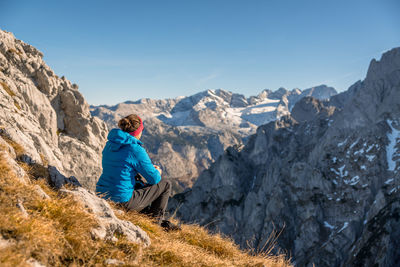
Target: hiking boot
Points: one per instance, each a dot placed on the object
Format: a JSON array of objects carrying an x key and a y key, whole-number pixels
[{"x": 169, "y": 226}]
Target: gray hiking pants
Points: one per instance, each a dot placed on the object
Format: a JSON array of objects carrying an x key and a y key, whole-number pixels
[{"x": 151, "y": 199}]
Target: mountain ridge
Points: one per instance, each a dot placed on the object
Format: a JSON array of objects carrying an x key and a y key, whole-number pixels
[
  {"x": 330, "y": 181},
  {"x": 185, "y": 134}
]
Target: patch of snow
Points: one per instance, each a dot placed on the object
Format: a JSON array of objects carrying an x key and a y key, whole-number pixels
[
  {"x": 329, "y": 198},
  {"x": 334, "y": 181},
  {"x": 344, "y": 227},
  {"x": 234, "y": 115},
  {"x": 178, "y": 118},
  {"x": 338, "y": 199},
  {"x": 352, "y": 181},
  {"x": 370, "y": 157},
  {"x": 365, "y": 222},
  {"x": 165, "y": 114},
  {"x": 342, "y": 143},
  {"x": 326, "y": 224},
  {"x": 370, "y": 147},
  {"x": 343, "y": 174},
  {"x": 253, "y": 182},
  {"x": 389, "y": 181},
  {"x": 391, "y": 151},
  {"x": 363, "y": 167},
  {"x": 361, "y": 151},
  {"x": 335, "y": 171},
  {"x": 355, "y": 143},
  {"x": 262, "y": 112},
  {"x": 334, "y": 159},
  {"x": 393, "y": 190}
]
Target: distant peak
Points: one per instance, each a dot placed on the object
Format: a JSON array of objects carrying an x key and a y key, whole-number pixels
[
  {"x": 282, "y": 89},
  {"x": 389, "y": 62}
]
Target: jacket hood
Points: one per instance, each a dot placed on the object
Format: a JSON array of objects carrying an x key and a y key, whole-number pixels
[{"x": 119, "y": 138}]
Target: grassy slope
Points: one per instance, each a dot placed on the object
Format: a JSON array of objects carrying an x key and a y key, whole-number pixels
[{"x": 57, "y": 233}]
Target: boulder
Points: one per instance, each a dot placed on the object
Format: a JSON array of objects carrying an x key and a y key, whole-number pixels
[{"x": 109, "y": 226}]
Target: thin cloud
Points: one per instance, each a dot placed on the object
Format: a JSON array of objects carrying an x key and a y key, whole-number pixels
[{"x": 207, "y": 78}]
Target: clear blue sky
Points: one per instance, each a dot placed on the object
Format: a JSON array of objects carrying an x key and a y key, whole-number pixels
[{"x": 126, "y": 50}]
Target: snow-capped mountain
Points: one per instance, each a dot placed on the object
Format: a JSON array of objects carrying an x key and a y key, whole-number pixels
[{"x": 186, "y": 134}]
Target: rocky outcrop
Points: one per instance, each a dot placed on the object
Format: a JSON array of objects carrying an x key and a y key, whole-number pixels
[
  {"x": 47, "y": 114},
  {"x": 109, "y": 226},
  {"x": 186, "y": 134},
  {"x": 308, "y": 108},
  {"x": 329, "y": 176}
]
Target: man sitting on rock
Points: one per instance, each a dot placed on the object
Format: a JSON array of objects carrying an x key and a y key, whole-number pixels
[{"x": 123, "y": 159}]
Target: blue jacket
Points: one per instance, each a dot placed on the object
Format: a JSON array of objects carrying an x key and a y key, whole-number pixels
[{"x": 123, "y": 158}]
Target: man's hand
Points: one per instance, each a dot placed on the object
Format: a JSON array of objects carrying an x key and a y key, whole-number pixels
[{"x": 158, "y": 168}]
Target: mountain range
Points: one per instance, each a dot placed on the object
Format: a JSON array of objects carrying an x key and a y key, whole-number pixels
[{"x": 186, "y": 134}]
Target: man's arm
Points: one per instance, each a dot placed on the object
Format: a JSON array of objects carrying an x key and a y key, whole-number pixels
[{"x": 146, "y": 168}]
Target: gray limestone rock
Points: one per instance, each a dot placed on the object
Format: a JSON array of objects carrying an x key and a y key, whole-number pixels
[
  {"x": 4, "y": 243},
  {"x": 41, "y": 193},
  {"x": 47, "y": 114},
  {"x": 109, "y": 225},
  {"x": 113, "y": 262},
  {"x": 308, "y": 108},
  {"x": 58, "y": 180},
  {"x": 9, "y": 156},
  {"x": 328, "y": 176},
  {"x": 21, "y": 207},
  {"x": 34, "y": 263}
]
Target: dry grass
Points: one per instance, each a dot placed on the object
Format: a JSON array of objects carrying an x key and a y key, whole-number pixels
[
  {"x": 35, "y": 170},
  {"x": 195, "y": 246},
  {"x": 10, "y": 93},
  {"x": 59, "y": 131},
  {"x": 17, "y": 105},
  {"x": 7, "y": 89},
  {"x": 56, "y": 233},
  {"x": 19, "y": 150}
]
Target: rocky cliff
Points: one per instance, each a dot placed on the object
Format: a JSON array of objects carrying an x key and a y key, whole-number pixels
[
  {"x": 327, "y": 176},
  {"x": 186, "y": 134},
  {"x": 47, "y": 114}
]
